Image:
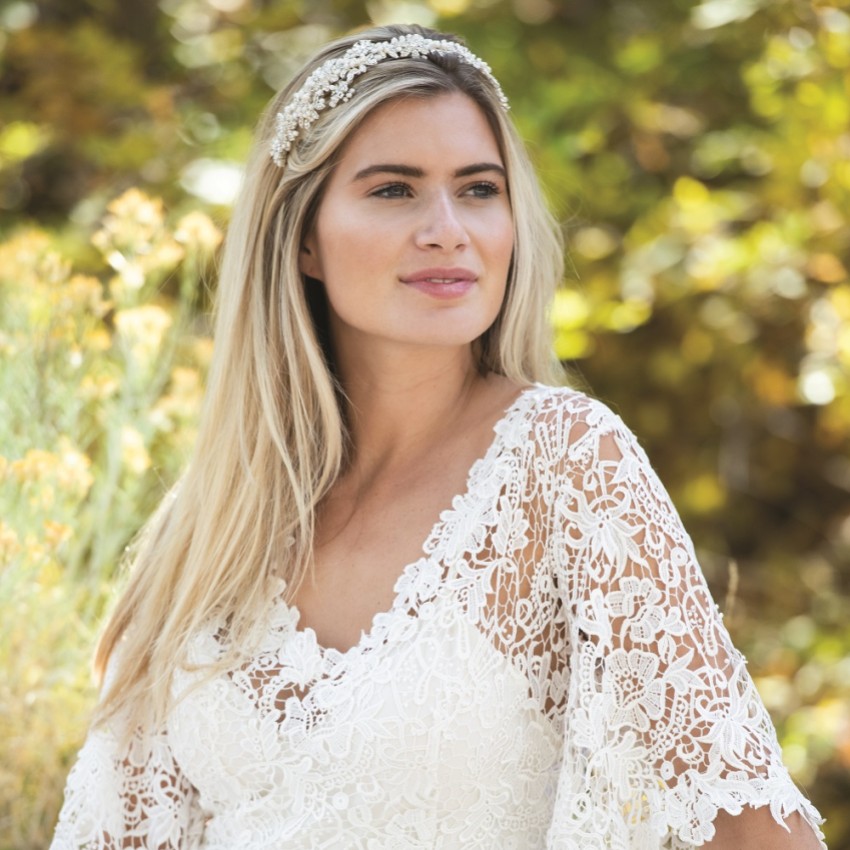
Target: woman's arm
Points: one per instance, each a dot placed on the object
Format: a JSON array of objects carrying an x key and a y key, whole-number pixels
[
  {"x": 127, "y": 791},
  {"x": 666, "y": 738},
  {"x": 756, "y": 829}
]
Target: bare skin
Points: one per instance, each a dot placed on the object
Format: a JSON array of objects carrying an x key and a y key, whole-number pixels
[
  {"x": 422, "y": 439},
  {"x": 420, "y": 189},
  {"x": 755, "y": 829}
]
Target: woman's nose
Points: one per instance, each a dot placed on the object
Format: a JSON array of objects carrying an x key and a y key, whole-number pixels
[{"x": 442, "y": 226}]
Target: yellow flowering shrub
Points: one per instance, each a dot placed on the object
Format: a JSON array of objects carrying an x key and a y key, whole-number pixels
[{"x": 99, "y": 392}]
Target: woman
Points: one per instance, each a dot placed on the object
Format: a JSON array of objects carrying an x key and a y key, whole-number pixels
[{"x": 548, "y": 670}]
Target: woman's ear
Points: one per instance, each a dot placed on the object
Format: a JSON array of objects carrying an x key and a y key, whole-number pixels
[{"x": 308, "y": 259}]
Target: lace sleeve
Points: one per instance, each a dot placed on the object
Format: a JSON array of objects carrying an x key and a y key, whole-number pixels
[
  {"x": 131, "y": 796},
  {"x": 664, "y": 727}
]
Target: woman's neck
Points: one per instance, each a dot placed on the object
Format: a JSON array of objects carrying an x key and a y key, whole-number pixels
[{"x": 401, "y": 404}]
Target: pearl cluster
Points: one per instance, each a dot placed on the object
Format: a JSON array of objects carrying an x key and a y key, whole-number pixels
[{"x": 330, "y": 84}]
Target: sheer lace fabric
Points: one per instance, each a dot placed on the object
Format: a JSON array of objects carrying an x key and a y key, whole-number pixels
[{"x": 552, "y": 674}]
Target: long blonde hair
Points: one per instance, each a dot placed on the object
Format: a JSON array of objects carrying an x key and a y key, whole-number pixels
[{"x": 272, "y": 438}]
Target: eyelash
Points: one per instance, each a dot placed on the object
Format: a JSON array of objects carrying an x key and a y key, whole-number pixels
[
  {"x": 492, "y": 189},
  {"x": 390, "y": 191}
]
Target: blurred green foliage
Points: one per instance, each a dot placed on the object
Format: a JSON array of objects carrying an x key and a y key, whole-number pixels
[{"x": 699, "y": 156}]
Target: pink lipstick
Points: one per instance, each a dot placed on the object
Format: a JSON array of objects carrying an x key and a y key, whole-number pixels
[{"x": 440, "y": 282}]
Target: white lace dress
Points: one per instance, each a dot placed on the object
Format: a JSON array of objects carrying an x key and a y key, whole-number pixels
[{"x": 552, "y": 674}]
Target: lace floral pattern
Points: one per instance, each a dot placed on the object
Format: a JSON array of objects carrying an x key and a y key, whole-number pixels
[{"x": 552, "y": 674}]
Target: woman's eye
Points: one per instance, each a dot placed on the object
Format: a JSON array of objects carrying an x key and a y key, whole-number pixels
[
  {"x": 392, "y": 190},
  {"x": 484, "y": 189}
]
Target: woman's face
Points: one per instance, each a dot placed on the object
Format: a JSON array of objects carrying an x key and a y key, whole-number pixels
[{"x": 414, "y": 235}]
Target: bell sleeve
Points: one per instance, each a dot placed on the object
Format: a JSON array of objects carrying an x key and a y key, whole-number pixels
[
  {"x": 663, "y": 725},
  {"x": 127, "y": 794}
]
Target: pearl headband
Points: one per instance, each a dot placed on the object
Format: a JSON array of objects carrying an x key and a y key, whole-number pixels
[{"x": 330, "y": 84}]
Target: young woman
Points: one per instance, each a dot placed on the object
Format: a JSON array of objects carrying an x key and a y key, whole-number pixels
[{"x": 548, "y": 669}]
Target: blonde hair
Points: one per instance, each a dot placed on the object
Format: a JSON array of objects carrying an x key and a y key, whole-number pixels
[{"x": 273, "y": 438}]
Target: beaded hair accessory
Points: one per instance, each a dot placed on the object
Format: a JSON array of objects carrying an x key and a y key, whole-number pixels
[{"x": 330, "y": 84}]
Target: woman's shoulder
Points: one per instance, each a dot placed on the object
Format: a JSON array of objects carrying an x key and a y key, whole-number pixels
[
  {"x": 567, "y": 415},
  {"x": 565, "y": 431}
]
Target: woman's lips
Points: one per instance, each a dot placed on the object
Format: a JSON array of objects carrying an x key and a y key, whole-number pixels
[{"x": 441, "y": 282}]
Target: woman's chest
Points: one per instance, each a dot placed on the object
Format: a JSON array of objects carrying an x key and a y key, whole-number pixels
[
  {"x": 428, "y": 711},
  {"x": 450, "y": 698},
  {"x": 364, "y": 541}
]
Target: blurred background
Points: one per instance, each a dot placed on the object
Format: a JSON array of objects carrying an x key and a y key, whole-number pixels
[{"x": 698, "y": 155}]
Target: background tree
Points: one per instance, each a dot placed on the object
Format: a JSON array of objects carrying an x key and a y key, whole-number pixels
[{"x": 699, "y": 156}]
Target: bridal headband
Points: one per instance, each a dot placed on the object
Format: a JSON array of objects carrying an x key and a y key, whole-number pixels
[{"x": 330, "y": 84}]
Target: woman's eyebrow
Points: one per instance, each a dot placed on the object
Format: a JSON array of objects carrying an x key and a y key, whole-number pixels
[
  {"x": 479, "y": 167},
  {"x": 388, "y": 168},
  {"x": 413, "y": 171}
]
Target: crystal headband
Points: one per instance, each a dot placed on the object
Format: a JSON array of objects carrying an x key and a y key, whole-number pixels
[{"x": 330, "y": 84}]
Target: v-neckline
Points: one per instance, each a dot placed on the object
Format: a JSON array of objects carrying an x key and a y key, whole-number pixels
[{"x": 376, "y": 632}]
